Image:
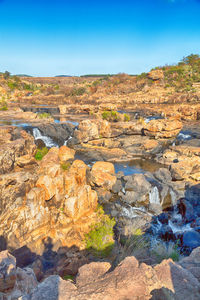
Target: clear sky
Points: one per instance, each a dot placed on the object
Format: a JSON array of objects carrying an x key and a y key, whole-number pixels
[{"x": 47, "y": 38}]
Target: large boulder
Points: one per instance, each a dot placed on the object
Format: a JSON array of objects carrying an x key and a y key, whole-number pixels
[
  {"x": 156, "y": 75},
  {"x": 162, "y": 128},
  {"x": 66, "y": 153},
  {"x": 87, "y": 130},
  {"x": 137, "y": 190},
  {"x": 17, "y": 148},
  {"x": 102, "y": 174},
  {"x": 7, "y": 271}
]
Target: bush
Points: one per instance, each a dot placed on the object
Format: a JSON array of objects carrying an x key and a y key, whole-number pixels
[
  {"x": 13, "y": 85},
  {"x": 112, "y": 116},
  {"x": 78, "y": 91},
  {"x": 3, "y": 108},
  {"x": 100, "y": 238},
  {"x": 44, "y": 115},
  {"x": 126, "y": 118},
  {"x": 6, "y": 75},
  {"x": 65, "y": 166},
  {"x": 41, "y": 153},
  {"x": 106, "y": 115},
  {"x": 3, "y": 104},
  {"x": 68, "y": 277},
  {"x": 162, "y": 251}
]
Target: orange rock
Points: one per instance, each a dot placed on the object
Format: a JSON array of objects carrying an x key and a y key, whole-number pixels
[
  {"x": 156, "y": 74},
  {"x": 102, "y": 174},
  {"x": 151, "y": 144},
  {"x": 162, "y": 128},
  {"x": 47, "y": 183},
  {"x": 65, "y": 153}
]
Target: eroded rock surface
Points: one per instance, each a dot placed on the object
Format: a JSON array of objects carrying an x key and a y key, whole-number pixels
[
  {"x": 163, "y": 128},
  {"x": 129, "y": 280}
]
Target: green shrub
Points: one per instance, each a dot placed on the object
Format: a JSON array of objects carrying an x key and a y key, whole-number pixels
[
  {"x": 69, "y": 277},
  {"x": 78, "y": 91},
  {"x": 100, "y": 238},
  {"x": 3, "y": 108},
  {"x": 56, "y": 87},
  {"x": 41, "y": 153},
  {"x": 126, "y": 118},
  {"x": 66, "y": 166},
  {"x": 3, "y": 104},
  {"x": 44, "y": 115},
  {"x": 106, "y": 115},
  {"x": 112, "y": 116},
  {"x": 13, "y": 85},
  {"x": 162, "y": 251}
]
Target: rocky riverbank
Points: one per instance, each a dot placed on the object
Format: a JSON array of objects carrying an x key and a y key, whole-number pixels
[{"x": 48, "y": 207}]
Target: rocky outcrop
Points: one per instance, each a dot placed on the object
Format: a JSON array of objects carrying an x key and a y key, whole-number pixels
[
  {"x": 162, "y": 128},
  {"x": 87, "y": 130},
  {"x": 90, "y": 130},
  {"x": 156, "y": 75},
  {"x": 17, "y": 148},
  {"x": 14, "y": 282},
  {"x": 183, "y": 161},
  {"x": 102, "y": 175},
  {"x": 53, "y": 200},
  {"x": 59, "y": 133},
  {"x": 129, "y": 280}
]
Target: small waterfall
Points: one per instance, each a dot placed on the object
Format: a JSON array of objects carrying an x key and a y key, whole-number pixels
[
  {"x": 133, "y": 212},
  {"x": 47, "y": 140},
  {"x": 154, "y": 197},
  {"x": 179, "y": 228},
  {"x": 65, "y": 143},
  {"x": 184, "y": 136},
  {"x": 173, "y": 197}
]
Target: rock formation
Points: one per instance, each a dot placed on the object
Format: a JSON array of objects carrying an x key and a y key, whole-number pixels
[{"x": 129, "y": 280}]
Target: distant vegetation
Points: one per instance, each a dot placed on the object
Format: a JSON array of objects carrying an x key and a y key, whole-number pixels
[
  {"x": 182, "y": 75},
  {"x": 23, "y": 75},
  {"x": 97, "y": 75},
  {"x": 63, "y": 76}
]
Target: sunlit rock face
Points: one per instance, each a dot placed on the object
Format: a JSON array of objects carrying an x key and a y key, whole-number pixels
[
  {"x": 17, "y": 148},
  {"x": 47, "y": 199},
  {"x": 162, "y": 128}
]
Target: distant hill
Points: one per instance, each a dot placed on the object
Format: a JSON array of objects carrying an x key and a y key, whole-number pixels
[
  {"x": 63, "y": 76},
  {"x": 23, "y": 75},
  {"x": 97, "y": 75}
]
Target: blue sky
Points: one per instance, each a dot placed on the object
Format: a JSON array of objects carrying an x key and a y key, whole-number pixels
[{"x": 46, "y": 38}]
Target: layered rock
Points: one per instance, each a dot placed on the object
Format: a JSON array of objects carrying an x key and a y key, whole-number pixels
[
  {"x": 17, "y": 148},
  {"x": 162, "y": 128},
  {"x": 55, "y": 202},
  {"x": 156, "y": 75},
  {"x": 183, "y": 161},
  {"x": 102, "y": 175},
  {"x": 14, "y": 282}
]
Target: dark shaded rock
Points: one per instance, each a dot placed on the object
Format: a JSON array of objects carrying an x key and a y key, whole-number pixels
[
  {"x": 163, "y": 175},
  {"x": 191, "y": 239},
  {"x": 23, "y": 256},
  {"x": 58, "y": 132}
]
